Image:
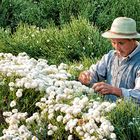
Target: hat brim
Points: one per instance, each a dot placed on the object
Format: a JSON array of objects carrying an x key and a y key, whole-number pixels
[{"x": 109, "y": 34}]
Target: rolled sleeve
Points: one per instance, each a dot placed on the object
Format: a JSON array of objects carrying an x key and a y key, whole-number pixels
[
  {"x": 131, "y": 94},
  {"x": 125, "y": 93}
]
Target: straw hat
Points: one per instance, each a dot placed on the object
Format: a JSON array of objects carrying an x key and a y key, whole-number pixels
[{"x": 122, "y": 27}]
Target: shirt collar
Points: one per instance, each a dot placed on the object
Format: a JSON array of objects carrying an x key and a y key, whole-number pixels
[{"x": 137, "y": 49}]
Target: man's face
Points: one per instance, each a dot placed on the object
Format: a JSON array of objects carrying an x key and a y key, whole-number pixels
[{"x": 123, "y": 46}]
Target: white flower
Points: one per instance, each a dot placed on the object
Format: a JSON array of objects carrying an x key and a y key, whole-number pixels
[
  {"x": 34, "y": 84},
  {"x": 96, "y": 113},
  {"x": 80, "y": 67},
  {"x": 48, "y": 40},
  {"x": 23, "y": 130},
  {"x": 51, "y": 110},
  {"x": 119, "y": 100},
  {"x": 50, "y": 126},
  {"x": 84, "y": 100},
  {"x": 59, "y": 118},
  {"x": 76, "y": 100},
  {"x": 88, "y": 126},
  {"x": 91, "y": 91},
  {"x": 43, "y": 99},
  {"x": 97, "y": 119},
  {"x": 62, "y": 66},
  {"x": 112, "y": 106},
  {"x": 111, "y": 128},
  {"x": 76, "y": 111},
  {"x": 7, "y": 119},
  {"x": 113, "y": 136},
  {"x": 69, "y": 110},
  {"x": 14, "y": 111},
  {"x": 81, "y": 133},
  {"x": 54, "y": 128},
  {"x": 19, "y": 93},
  {"x": 34, "y": 138},
  {"x": 86, "y": 135},
  {"x": 11, "y": 84},
  {"x": 67, "y": 117},
  {"x": 13, "y": 103},
  {"x": 51, "y": 88},
  {"x": 32, "y": 35},
  {"x": 69, "y": 97},
  {"x": 4, "y": 131},
  {"x": 93, "y": 138},
  {"x": 19, "y": 83},
  {"x": 78, "y": 129},
  {"x": 8, "y": 114},
  {"x": 30, "y": 120},
  {"x": 13, "y": 121},
  {"x": 102, "y": 119},
  {"x": 50, "y": 132},
  {"x": 50, "y": 116},
  {"x": 27, "y": 85},
  {"x": 70, "y": 137},
  {"x": 100, "y": 137},
  {"x": 66, "y": 128},
  {"x": 11, "y": 89},
  {"x": 72, "y": 123},
  {"x": 106, "y": 129},
  {"x": 9, "y": 74},
  {"x": 91, "y": 131}
]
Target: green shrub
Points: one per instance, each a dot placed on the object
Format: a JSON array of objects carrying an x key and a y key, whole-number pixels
[
  {"x": 113, "y": 9},
  {"x": 41, "y": 12},
  {"x": 126, "y": 120},
  {"x": 5, "y": 38},
  {"x": 10, "y": 13},
  {"x": 59, "y": 12},
  {"x": 71, "y": 43},
  {"x": 32, "y": 12}
]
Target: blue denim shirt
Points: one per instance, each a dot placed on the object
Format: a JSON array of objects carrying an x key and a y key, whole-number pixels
[{"x": 122, "y": 73}]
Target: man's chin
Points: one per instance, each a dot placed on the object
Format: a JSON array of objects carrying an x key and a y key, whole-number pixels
[{"x": 121, "y": 54}]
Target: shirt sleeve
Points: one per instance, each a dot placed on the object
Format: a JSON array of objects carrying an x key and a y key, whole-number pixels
[
  {"x": 99, "y": 70},
  {"x": 133, "y": 93}
]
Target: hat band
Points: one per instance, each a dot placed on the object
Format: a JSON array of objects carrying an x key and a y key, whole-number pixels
[{"x": 124, "y": 33}]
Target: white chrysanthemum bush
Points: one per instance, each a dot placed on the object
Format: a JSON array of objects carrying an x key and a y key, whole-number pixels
[{"x": 42, "y": 101}]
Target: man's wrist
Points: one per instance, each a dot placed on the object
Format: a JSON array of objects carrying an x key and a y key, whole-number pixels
[{"x": 117, "y": 91}]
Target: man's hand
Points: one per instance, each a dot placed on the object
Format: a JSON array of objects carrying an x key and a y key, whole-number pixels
[
  {"x": 105, "y": 88},
  {"x": 85, "y": 77}
]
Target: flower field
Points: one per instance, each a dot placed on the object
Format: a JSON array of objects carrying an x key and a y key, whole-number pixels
[
  {"x": 41, "y": 101},
  {"x": 44, "y": 45}
]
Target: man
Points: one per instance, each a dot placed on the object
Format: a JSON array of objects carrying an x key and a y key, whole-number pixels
[{"x": 117, "y": 74}]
